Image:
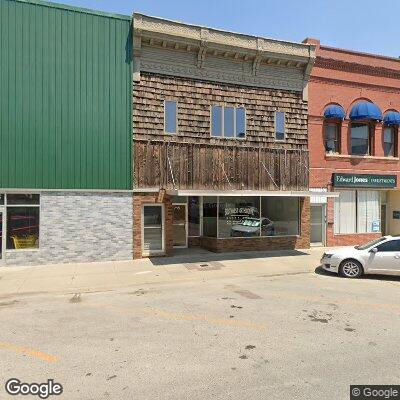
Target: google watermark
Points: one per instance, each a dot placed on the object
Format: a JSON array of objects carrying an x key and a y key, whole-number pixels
[
  {"x": 44, "y": 390},
  {"x": 374, "y": 392}
]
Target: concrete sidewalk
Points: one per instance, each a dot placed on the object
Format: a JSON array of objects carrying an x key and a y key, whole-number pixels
[{"x": 185, "y": 265}]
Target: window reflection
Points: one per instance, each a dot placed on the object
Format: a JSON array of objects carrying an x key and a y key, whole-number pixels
[
  {"x": 332, "y": 138},
  {"x": 388, "y": 142},
  {"x": 280, "y": 216},
  {"x": 359, "y": 139},
  {"x": 194, "y": 216},
  {"x": 216, "y": 121},
  {"x": 210, "y": 216},
  {"x": 240, "y": 122},
  {"x": 279, "y": 125},
  {"x": 239, "y": 217},
  {"x": 229, "y": 122},
  {"x": 22, "y": 227},
  {"x": 170, "y": 116}
]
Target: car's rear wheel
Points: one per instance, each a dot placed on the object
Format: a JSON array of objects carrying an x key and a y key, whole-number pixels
[{"x": 350, "y": 269}]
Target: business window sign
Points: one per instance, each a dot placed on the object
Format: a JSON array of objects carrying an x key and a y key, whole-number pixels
[{"x": 364, "y": 180}]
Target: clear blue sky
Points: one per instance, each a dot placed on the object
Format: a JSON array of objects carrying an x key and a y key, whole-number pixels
[{"x": 365, "y": 25}]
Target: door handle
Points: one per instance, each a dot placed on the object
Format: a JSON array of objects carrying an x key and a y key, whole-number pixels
[{"x": 397, "y": 256}]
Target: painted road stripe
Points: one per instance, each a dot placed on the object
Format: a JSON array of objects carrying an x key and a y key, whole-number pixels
[
  {"x": 27, "y": 351},
  {"x": 143, "y": 272},
  {"x": 190, "y": 317}
]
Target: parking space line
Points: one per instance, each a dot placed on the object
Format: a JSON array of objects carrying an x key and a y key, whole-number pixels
[
  {"x": 195, "y": 317},
  {"x": 27, "y": 351},
  {"x": 205, "y": 318}
]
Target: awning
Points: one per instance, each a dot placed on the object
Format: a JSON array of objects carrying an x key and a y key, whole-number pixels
[
  {"x": 241, "y": 193},
  {"x": 392, "y": 118},
  {"x": 334, "y": 111},
  {"x": 365, "y": 110}
]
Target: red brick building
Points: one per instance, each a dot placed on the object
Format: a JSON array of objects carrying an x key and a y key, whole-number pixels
[{"x": 354, "y": 100}]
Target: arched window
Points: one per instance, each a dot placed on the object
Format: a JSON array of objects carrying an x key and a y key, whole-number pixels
[
  {"x": 333, "y": 117},
  {"x": 391, "y": 122},
  {"x": 332, "y": 137},
  {"x": 363, "y": 116}
]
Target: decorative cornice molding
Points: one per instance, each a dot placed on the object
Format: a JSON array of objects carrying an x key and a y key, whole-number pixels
[
  {"x": 260, "y": 54},
  {"x": 143, "y": 24},
  {"x": 356, "y": 68}
]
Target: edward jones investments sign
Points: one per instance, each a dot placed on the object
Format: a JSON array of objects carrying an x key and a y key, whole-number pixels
[{"x": 364, "y": 180}]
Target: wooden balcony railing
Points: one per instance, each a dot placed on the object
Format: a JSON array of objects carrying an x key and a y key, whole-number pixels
[{"x": 172, "y": 165}]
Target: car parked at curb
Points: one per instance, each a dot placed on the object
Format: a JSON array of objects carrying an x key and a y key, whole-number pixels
[{"x": 380, "y": 256}]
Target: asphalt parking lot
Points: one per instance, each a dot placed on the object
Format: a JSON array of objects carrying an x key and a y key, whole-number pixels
[{"x": 295, "y": 334}]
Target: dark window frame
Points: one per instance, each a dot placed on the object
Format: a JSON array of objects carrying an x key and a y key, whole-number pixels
[
  {"x": 338, "y": 124},
  {"x": 371, "y": 132},
  {"x": 22, "y": 202},
  {"x": 394, "y": 131}
]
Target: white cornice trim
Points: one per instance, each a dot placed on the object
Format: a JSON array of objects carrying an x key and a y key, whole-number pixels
[
  {"x": 264, "y": 62},
  {"x": 159, "y": 27}
]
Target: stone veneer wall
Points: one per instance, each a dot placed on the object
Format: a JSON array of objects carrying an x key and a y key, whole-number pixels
[{"x": 80, "y": 227}]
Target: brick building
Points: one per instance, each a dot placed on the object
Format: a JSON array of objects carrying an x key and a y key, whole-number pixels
[
  {"x": 219, "y": 139},
  {"x": 354, "y": 100}
]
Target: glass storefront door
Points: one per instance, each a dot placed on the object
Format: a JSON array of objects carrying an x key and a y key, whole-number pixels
[
  {"x": 179, "y": 224},
  {"x": 153, "y": 229},
  {"x": 318, "y": 224}
]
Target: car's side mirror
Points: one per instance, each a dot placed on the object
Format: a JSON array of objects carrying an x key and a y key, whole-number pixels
[{"x": 373, "y": 250}]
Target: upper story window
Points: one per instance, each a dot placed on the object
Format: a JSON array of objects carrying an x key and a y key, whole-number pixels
[
  {"x": 388, "y": 142},
  {"x": 170, "y": 116},
  {"x": 332, "y": 137},
  {"x": 279, "y": 126},
  {"x": 360, "y": 139},
  {"x": 334, "y": 114},
  {"x": 228, "y": 122}
]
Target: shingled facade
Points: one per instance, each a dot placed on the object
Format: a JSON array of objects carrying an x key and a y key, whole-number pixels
[{"x": 219, "y": 139}]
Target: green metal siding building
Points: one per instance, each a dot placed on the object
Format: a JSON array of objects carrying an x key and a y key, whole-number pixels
[
  {"x": 65, "y": 134},
  {"x": 65, "y": 84}
]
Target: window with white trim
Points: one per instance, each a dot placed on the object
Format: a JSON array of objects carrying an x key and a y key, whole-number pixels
[
  {"x": 279, "y": 126},
  {"x": 170, "y": 116},
  {"x": 357, "y": 211},
  {"x": 228, "y": 122}
]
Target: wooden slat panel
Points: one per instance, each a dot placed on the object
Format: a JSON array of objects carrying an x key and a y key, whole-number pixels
[{"x": 198, "y": 166}]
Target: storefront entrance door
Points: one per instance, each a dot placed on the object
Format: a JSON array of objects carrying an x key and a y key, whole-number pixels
[
  {"x": 179, "y": 224},
  {"x": 153, "y": 229},
  {"x": 318, "y": 229}
]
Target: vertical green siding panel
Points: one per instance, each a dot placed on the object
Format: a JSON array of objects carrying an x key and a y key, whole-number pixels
[
  {"x": 112, "y": 104},
  {"x": 18, "y": 91},
  {"x": 65, "y": 109}
]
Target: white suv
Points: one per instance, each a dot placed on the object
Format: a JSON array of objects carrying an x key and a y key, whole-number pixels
[{"x": 380, "y": 256}]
